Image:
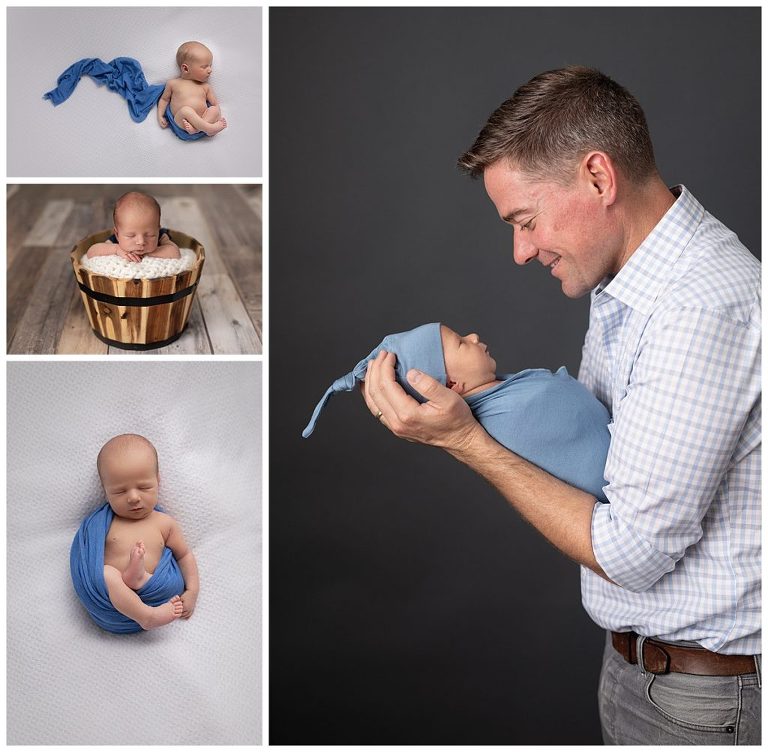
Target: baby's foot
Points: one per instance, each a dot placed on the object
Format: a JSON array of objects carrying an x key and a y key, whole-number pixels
[
  {"x": 213, "y": 128},
  {"x": 135, "y": 575},
  {"x": 188, "y": 126},
  {"x": 159, "y": 616}
]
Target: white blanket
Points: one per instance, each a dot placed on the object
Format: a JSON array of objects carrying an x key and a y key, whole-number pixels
[
  {"x": 191, "y": 682},
  {"x": 147, "y": 268}
]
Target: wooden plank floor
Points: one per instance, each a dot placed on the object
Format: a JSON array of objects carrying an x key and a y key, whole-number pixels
[{"x": 45, "y": 314}]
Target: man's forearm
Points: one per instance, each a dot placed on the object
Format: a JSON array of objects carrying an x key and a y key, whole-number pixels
[{"x": 561, "y": 513}]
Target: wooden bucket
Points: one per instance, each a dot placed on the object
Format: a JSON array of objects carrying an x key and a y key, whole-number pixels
[{"x": 138, "y": 314}]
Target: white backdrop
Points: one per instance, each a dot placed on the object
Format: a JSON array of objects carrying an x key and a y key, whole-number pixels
[
  {"x": 92, "y": 134},
  {"x": 191, "y": 682}
]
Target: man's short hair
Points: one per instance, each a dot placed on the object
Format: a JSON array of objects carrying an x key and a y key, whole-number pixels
[
  {"x": 138, "y": 200},
  {"x": 557, "y": 117}
]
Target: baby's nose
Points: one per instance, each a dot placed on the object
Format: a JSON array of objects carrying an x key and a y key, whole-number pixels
[{"x": 474, "y": 338}]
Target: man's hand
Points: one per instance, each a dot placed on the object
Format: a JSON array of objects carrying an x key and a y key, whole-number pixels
[{"x": 444, "y": 421}]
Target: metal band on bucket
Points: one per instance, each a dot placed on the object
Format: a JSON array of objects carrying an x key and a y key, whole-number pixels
[{"x": 137, "y": 302}]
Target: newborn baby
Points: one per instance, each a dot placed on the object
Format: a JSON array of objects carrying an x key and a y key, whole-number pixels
[
  {"x": 193, "y": 104},
  {"x": 138, "y": 534},
  {"x": 137, "y": 231},
  {"x": 549, "y": 419}
]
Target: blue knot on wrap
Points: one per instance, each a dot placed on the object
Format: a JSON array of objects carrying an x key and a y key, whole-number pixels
[
  {"x": 124, "y": 76},
  {"x": 420, "y": 348},
  {"x": 86, "y": 564}
]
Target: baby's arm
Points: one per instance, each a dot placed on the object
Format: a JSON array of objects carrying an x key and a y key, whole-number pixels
[
  {"x": 162, "y": 105},
  {"x": 188, "y": 566},
  {"x": 166, "y": 249},
  {"x": 102, "y": 249},
  {"x": 210, "y": 96}
]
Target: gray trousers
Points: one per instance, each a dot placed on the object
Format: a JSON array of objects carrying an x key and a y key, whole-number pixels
[{"x": 637, "y": 707}]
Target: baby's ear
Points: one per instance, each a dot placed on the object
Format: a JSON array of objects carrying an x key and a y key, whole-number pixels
[{"x": 455, "y": 386}]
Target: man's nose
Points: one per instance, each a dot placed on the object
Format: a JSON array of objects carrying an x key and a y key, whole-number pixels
[{"x": 523, "y": 251}]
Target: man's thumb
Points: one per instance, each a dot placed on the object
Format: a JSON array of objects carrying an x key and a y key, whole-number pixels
[{"x": 424, "y": 384}]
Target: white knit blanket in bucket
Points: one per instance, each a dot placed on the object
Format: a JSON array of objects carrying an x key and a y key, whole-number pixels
[{"x": 147, "y": 268}]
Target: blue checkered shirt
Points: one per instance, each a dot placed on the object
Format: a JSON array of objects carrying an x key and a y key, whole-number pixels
[{"x": 673, "y": 351}]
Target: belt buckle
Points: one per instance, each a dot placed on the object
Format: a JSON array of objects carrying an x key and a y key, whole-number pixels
[{"x": 655, "y": 658}]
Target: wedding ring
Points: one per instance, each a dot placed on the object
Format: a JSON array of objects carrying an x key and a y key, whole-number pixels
[{"x": 379, "y": 414}]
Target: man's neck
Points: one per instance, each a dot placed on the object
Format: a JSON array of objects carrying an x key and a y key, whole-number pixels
[{"x": 644, "y": 207}]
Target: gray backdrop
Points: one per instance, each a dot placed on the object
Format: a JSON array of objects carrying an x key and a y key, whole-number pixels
[{"x": 409, "y": 604}]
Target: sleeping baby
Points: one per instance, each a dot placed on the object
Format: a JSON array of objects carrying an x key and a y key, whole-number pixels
[
  {"x": 137, "y": 232},
  {"x": 193, "y": 104},
  {"x": 549, "y": 419},
  {"x": 130, "y": 564}
]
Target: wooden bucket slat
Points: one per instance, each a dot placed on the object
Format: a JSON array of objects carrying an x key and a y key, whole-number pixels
[{"x": 138, "y": 325}]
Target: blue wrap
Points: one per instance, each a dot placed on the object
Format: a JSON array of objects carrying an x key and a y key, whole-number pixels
[
  {"x": 86, "y": 565},
  {"x": 125, "y": 76},
  {"x": 549, "y": 419},
  {"x": 178, "y": 130}
]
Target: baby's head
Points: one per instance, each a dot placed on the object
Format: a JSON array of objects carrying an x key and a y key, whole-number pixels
[
  {"x": 137, "y": 223},
  {"x": 128, "y": 469},
  {"x": 195, "y": 61},
  {"x": 469, "y": 368}
]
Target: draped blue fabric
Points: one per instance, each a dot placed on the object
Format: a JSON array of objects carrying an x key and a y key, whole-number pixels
[{"x": 86, "y": 564}]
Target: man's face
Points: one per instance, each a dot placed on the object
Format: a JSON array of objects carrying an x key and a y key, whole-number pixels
[
  {"x": 468, "y": 363},
  {"x": 138, "y": 230},
  {"x": 130, "y": 482},
  {"x": 566, "y": 228}
]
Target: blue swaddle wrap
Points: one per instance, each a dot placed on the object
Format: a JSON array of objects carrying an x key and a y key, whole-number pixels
[
  {"x": 179, "y": 131},
  {"x": 124, "y": 76},
  {"x": 419, "y": 348},
  {"x": 86, "y": 565},
  {"x": 549, "y": 419}
]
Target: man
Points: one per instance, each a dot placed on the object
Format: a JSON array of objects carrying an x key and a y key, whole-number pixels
[{"x": 671, "y": 566}]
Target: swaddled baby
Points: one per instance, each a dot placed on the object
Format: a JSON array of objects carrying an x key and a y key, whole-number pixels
[
  {"x": 549, "y": 419},
  {"x": 131, "y": 567}
]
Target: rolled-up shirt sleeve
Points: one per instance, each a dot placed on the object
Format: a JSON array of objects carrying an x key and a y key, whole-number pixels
[{"x": 694, "y": 381}]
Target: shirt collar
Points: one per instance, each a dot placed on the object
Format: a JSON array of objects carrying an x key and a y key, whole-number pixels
[{"x": 647, "y": 270}]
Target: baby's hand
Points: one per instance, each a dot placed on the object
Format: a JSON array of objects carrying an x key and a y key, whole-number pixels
[
  {"x": 163, "y": 121},
  {"x": 189, "y": 600},
  {"x": 128, "y": 255}
]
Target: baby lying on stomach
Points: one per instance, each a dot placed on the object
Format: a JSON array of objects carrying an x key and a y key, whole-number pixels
[
  {"x": 137, "y": 232},
  {"x": 549, "y": 419}
]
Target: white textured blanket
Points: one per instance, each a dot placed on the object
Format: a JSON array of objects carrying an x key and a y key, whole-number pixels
[
  {"x": 191, "y": 682},
  {"x": 147, "y": 268}
]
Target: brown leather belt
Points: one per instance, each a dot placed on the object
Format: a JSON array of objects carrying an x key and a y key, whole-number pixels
[{"x": 662, "y": 657}]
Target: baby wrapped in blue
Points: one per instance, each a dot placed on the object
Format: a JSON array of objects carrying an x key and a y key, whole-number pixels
[
  {"x": 549, "y": 419},
  {"x": 86, "y": 563}
]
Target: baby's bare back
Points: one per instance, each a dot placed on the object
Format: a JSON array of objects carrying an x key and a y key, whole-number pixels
[
  {"x": 123, "y": 534},
  {"x": 186, "y": 93}
]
